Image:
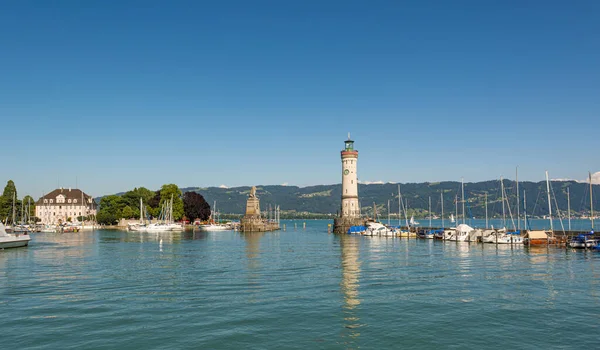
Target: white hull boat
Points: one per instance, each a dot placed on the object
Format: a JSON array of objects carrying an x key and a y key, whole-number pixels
[
  {"x": 377, "y": 229},
  {"x": 214, "y": 227},
  {"x": 8, "y": 240},
  {"x": 509, "y": 238},
  {"x": 462, "y": 233},
  {"x": 158, "y": 228}
]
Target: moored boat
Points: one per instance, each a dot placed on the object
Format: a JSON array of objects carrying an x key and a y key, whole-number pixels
[
  {"x": 583, "y": 240},
  {"x": 9, "y": 240},
  {"x": 539, "y": 237}
]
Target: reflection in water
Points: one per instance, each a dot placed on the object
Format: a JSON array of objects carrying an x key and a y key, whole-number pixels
[
  {"x": 253, "y": 260},
  {"x": 350, "y": 282}
]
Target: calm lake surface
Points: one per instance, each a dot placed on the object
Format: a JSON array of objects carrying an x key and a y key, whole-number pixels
[{"x": 300, "y": 288}]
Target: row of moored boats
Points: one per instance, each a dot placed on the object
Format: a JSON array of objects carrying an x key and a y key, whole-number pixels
[{"x": 466, "y": 233}]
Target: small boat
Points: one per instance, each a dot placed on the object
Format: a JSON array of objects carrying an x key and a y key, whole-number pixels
[
  {"x": 357, "y": 229},
  {"x": 9, "y": 240},
  {"x": 509, "y": 238},
  {"x": 539, "y": 237},
  {"x": 429, "y": 234},
  {"x": 413, "y": 222},
  {"x": 583, "y": 240},
  {"x": 377, "y": 229},
  {"x": 462, "y": 233},
  {"x": 215, "y": 227}
]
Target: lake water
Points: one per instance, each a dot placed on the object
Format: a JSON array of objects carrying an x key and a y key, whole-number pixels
[{"x": 300, "y": 289}]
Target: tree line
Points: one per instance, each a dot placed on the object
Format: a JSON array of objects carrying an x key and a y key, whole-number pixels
[
  {"x": 9, "y": 199},
  {"x": 188, "y": 206}
]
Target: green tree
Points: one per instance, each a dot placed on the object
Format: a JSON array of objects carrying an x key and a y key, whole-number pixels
[
  {"x": 127, "y": 212},
  {"x": 172, "y": 191},
  {"x": 110, "y": 210},
  {"x": 6, "y": 201},
  {"x": 132, "y": 198}
]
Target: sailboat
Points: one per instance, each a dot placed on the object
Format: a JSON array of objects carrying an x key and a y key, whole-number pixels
[
  {"x": 586, "y": 240},
  {"x": 413, "y": 222},
  {"x": 213, "y": 223},
  {"x": 139, "y": 226},
  {"x": 542, "y": 237},
  {"x": 166, "y": 217}
]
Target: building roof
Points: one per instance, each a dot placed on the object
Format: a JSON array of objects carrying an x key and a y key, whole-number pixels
[{"x": 68, "y": 193}]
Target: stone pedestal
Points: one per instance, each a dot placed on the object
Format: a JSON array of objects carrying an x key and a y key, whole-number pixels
[
  {"x": 252, "y": 207},
  {"x": 342, "y": 224}
]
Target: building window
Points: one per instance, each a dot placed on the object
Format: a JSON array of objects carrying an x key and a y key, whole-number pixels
[
  {"x": 52, "y": 200},
  {"x": 60, "y": 207},
  {"x": 352, "y": 181},
  {"x": 69, "y": 201},
  {"x": 45, "y": 201},
  {"x": 74, "y": 200}
]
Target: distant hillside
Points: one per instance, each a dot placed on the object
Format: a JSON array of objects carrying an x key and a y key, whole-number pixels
[{"x": 325, "y": 199}]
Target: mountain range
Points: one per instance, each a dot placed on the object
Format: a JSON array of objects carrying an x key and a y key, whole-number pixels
[{"x": 325, "y": 199}]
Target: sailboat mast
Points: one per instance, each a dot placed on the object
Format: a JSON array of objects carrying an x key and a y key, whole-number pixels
[
  {"x": 141, "y": 211},
  {"x": 14, "y": 213},
  {"x": 525, "y": 209},
  {"x": 486, "y": 212},
  {"x": 591, "y": 200},
  {"x": 569, "y": 207},
  {"x": 388, "y": 212},
  {"x": 430, "y": 212},
  {"x": 375, "y": 210},
  {"x": 518, "y": 205},
  {"x": 442, "y": 201},
  {"x": 456, "y": 205},
  {"x": 502, "y": 192},
  {"x": 462, "y": 185},
  {"x": 399, "y": 206},
  {"x": 549, "y": 203}
]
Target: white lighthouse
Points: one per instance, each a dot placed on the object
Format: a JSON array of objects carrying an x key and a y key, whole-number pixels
[{"x": 350, "y": 208}]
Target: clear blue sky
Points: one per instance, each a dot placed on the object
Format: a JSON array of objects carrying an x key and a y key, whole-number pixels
[{"x": 118, "y": 94}]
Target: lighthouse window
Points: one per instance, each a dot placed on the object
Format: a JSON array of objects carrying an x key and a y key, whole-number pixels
[
  {"x": 351, "y": 162},
  {"x": 346, "y": 191},
  {"x": 351, "y": 181}
]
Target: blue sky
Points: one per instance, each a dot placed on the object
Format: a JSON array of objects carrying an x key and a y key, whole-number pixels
[{"x": 114, "y": 95}]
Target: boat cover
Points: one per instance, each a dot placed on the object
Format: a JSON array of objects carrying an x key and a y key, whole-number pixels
[{"x": 537, "y": 234}]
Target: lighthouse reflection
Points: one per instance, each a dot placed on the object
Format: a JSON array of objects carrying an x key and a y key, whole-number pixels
[{"x": 350, "y": 283}]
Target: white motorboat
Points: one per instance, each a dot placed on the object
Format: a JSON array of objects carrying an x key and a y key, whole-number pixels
[
  {"x": 377, "y": 229},
  {"x": 9, "y": 240},
  {"x": 158, "y": 227},
  {"x": 462, "y": 233},
  {"x": 509, "y": 238},
  {"x": 215, "y": 227}
]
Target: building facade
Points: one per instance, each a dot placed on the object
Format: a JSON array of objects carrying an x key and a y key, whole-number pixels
[{"x": 63, "y": 205}]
